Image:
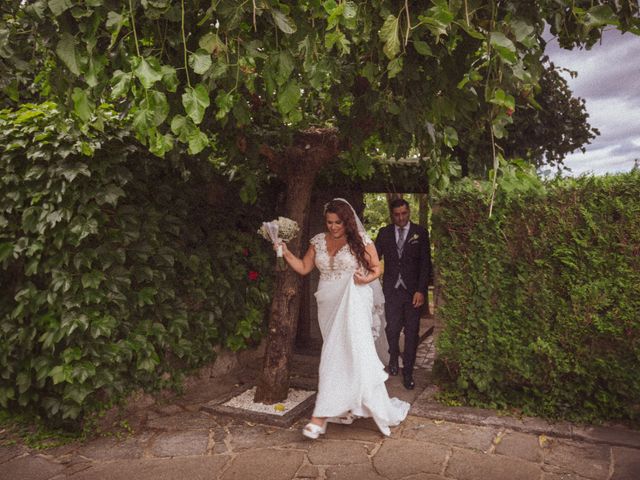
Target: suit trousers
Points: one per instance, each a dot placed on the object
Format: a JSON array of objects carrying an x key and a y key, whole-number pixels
[{"x": 401, "y": 314}]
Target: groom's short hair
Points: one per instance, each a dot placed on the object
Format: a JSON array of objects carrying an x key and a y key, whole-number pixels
[{"x": 398, "y": 202}]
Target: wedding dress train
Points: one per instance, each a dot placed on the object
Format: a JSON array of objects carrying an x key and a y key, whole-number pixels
[{"x": 352, "y": 377}]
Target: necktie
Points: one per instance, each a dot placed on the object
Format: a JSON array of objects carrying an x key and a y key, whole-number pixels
[
  {"x": 400, "y": 246},
  {"x": 400, "y": 243}
]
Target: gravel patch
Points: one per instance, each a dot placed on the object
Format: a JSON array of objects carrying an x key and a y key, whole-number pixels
[{"x": 245, "y": 401}]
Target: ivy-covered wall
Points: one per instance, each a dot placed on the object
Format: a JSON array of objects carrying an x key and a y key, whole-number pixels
[
  {"x": 541, "y": 305},
  {"x": 118, "y": 270}
]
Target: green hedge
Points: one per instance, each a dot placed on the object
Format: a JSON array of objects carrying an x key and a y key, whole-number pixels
[
  {"x": 118, "y": 271},
  {"x": 542, "y": 301}
]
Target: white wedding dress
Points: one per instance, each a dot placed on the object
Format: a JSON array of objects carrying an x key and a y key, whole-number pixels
[{"x": 351, "y": 377}]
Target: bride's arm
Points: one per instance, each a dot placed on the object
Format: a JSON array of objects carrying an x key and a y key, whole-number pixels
[
  {"x": 303, "y": 265},
  {"x": 374, "y": 265}
]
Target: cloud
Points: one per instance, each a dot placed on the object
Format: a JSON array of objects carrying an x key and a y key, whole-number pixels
[
  {"x": 601, "y": 161},
  {"x": 609, "y": 81},
  {"x": 627, "y": 149},
  {"x": 615, "y": 118}
]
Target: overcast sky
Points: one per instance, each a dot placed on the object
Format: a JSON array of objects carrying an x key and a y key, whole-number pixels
[{"x": 609, "y": 80}]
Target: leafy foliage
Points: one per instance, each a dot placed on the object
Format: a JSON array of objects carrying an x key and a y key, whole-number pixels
[
  {"x": 546, "y": 135},
  {"x": 550, "y": 123},
  {"x": 224, "y": 81},
  {"x": 115, "y": 273},
  {"x": 540, "y": 301},
  {"x": 225, "y": 77}
]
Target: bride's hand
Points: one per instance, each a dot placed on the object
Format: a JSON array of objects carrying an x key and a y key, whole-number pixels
[
  {"x": 361, "y": 278},
  {"x": 283, "y": 245}
]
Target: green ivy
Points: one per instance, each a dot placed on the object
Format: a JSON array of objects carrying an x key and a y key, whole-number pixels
[
  {"x": 541, "y": 300},
  {"x": 118, "y": 271}
]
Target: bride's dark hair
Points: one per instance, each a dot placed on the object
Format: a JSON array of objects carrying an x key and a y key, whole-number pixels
[{"x": 355, "y": 241}]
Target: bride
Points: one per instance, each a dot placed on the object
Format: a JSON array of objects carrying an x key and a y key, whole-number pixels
[{"x": 351, "y": 378}]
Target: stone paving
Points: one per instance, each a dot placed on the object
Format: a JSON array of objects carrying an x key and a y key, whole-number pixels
[
  {"x": 193, "y": 445},
  {"x": 179, "y": 441}
]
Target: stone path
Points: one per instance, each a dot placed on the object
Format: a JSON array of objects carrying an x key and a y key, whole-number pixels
[
  {"x": 194, "y": 445},
  {"x": 178, "y": 441}
]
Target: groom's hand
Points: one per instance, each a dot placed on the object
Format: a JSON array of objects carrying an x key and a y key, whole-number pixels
[{"x": 418, "y": 300}]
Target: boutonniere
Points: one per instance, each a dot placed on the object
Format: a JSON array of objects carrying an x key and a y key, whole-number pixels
[{"x": 414, "y": 238}]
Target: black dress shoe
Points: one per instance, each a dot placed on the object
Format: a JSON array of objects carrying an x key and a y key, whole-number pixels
[
  {"x": 408, "y": 382},
  {"x": 393, "y": 370}
]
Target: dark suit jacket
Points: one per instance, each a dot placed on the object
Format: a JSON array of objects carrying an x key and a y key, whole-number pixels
[{"x": 414, "y": 263}]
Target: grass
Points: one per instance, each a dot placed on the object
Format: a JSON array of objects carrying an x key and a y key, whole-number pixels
[{"x": 32, "y": 432}]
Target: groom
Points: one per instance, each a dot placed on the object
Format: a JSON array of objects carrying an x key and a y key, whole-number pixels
[{"x": 405, "y": 249}]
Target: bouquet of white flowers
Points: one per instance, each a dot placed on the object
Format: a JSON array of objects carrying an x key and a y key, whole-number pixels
[{"x": 281, "y": 230}]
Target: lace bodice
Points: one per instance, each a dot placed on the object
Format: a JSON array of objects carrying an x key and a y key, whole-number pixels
[{"x": 334, "y": 267}]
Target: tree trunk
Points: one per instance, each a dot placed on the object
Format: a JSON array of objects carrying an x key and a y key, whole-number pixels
[
  {"x": 423, "y": 207},
  {"x": 274, "y": 383},
  {"x": 391, "y": 196},
  {"x": 298, "y": 166},
  {"x": 303, "y": 332}
]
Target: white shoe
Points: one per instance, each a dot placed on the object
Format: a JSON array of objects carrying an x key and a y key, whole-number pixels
[{"x": 313, "y": 431}]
